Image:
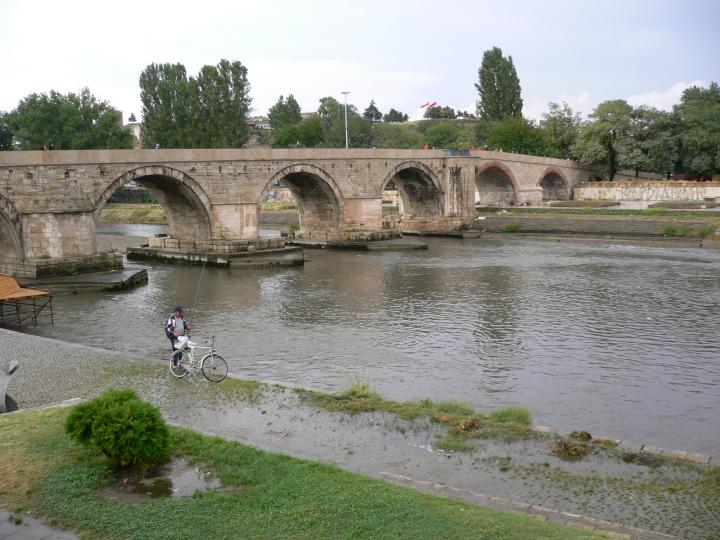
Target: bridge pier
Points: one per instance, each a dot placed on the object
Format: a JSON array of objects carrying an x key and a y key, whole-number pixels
[{"x": 235, "y": 221}]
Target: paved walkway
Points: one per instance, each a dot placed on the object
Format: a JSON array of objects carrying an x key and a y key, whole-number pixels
[{"x": 375, "y": 444}]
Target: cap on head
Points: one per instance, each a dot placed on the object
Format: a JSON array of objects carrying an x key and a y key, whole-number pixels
[{"x": 179, "y": 308}]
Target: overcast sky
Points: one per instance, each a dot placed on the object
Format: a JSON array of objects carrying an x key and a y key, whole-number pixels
[{"x": 399, "y": 53}]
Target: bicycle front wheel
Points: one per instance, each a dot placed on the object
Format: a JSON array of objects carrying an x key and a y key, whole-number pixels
[
  {"x": 178, "y": 361},
  {"x": 214, "y": 367}
]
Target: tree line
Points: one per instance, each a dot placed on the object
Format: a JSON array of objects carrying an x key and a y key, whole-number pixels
[{"x": 210, "y": 109}]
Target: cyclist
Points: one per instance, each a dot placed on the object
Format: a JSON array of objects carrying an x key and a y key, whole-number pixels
[{"x": 174, "y": 328}]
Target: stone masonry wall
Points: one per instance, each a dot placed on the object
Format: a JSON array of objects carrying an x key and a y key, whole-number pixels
[{"x": 645, "y": 190}]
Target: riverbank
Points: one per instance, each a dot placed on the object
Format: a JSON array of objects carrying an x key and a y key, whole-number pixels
[
  {"x": 67, "y": 486},
  {"x": 665, "y": 495},
  {"x": 272, "y": 214},
  {"x": 678, "y": 227}
]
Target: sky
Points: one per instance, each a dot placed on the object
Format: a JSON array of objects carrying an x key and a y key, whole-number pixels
[{"x": 402, "y": 54}]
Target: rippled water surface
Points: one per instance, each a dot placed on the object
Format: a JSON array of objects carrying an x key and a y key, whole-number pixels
[{"x": 619, "y": 340}]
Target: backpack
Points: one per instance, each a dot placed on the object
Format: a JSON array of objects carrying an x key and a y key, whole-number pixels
[{"x": 168, "y": 334}]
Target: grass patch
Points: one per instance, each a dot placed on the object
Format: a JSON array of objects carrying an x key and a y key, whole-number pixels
[
  {"x": 512, "y": 413},
  {"x": 509, "y": 424},
  {"x": 671, "y": 230},
  {"x": 149, "y": 214},
  {"x": 454, "y": 442},
  {"x": 584, "y": 204},
  {"x": 511, "y": 227},
  {"x": 263, "y": 495},
  {"x": 279, "y": 206},
  {"x": 651, "y": 212},
  {"x": 709, "y": 230}
]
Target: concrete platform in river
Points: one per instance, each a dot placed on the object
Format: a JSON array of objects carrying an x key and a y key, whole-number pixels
[
  {"x": 445, "y": 234},
  {"x": 395, "y": 244},
  {"x": 285, "y": 256},
  {"x": 107, "y": 281}
]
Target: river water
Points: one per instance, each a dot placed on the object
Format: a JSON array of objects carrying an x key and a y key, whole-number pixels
[{"x": 619, "y": 340}]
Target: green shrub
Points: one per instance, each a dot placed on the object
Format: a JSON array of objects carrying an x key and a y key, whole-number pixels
[
  {"x": 128, "y": 430},
  {"x": 512, "y": 227},
  {"x": 706, "y": 231},
  {"x": 670, "y": 230},
  {"x": 516, "y": 415}
]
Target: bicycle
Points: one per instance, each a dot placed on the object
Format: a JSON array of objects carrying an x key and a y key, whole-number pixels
[{"x": 213, "y": 366}]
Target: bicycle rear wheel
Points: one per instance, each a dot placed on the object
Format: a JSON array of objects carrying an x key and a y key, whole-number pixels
[
  {"x": 178, "y": 361},
  {"x": 214, "y": 367}
]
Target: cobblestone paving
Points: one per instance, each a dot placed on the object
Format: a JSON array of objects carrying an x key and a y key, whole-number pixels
[{"x": 375, "y": 444}]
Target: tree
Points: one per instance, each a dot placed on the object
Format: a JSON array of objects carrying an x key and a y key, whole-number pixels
[
  {"x": 6, "y": 136},
  {"x": 332, "y": 118},
  {"x": 652, "y": 143},
  {"x": 132, "y": 118},
  {"x": 699, "y": 117},
  {"x": 164, "y": 92},
  {"x": 372, "y": 113},
  {"x": 605, "y": 135},
  {"x": 72, "y": 121},
  {"x": 498, "y": 86},
  {"x": 390, "y": 135},
  {"x": 207, "y": 111},
  {"x": 560, "y": 127},
  {"x": 516, "y": 134},
  {"x": 284, "y": 112},
  {"x": 448, "y": 134},
  {"x": 308, "y": 133},
  {"x": 436, "y": 113},
  {"x": 220, "y": 103},
  {"x": 394, "y": 116}
]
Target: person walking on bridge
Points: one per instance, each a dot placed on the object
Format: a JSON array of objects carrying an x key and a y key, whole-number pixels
[{"x": 176, "y": 327}]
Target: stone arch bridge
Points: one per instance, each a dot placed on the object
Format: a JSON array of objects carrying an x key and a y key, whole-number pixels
[{"x": 50, "y": 200}]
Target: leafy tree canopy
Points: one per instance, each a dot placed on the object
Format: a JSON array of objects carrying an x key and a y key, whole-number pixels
[
  {"x": 436, "y": 113},
  {"x": 332, "y": 118},
  {"x": 601, "y": 139},
  {"x": 72, "y": 121},
  {"x": 699, "y": 117},
  {"x": 207, "y": 111},
  {"x": 516, "y": 134},
  {"x": 6, "y": 136},
  {"x": 561, "y": 127},
  {"x": 372, "y": 113},
  {"x": 307, "y": 134},
  {"x": 396, "y": 117},
  {"x": 284, "y": 113},
  {"x": 390, "y": 135},
  {"x": 498, "y": 86}
]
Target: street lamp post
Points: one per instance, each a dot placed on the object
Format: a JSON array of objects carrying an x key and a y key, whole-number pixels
[{"x": 346, "y": 127}]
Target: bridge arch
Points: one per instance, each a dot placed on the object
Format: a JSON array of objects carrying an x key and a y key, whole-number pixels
[
  {"x": 11, "y": 236},
  {"x": 495, "y": 184},
  {"x": 419, "y": 189},
  {"x": 187, "y": 206},
  {"x": 554, "y": 185},
  {"x": 320, "y": 201}
]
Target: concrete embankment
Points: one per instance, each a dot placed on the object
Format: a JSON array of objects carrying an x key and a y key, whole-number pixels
[
  {"x": 688, "y": 230},
  {"x": 377, "y": 444}
]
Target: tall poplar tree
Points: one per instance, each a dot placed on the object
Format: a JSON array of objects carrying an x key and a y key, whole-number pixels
[
  {"x": 207, "y": 111},
  {"x": 498, "y": 86}
]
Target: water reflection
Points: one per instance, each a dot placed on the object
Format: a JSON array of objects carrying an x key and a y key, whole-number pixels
[{"x": 617, "y": 340}]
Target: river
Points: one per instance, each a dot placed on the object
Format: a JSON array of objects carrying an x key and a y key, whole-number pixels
[{"x": 619, "y": 340}]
